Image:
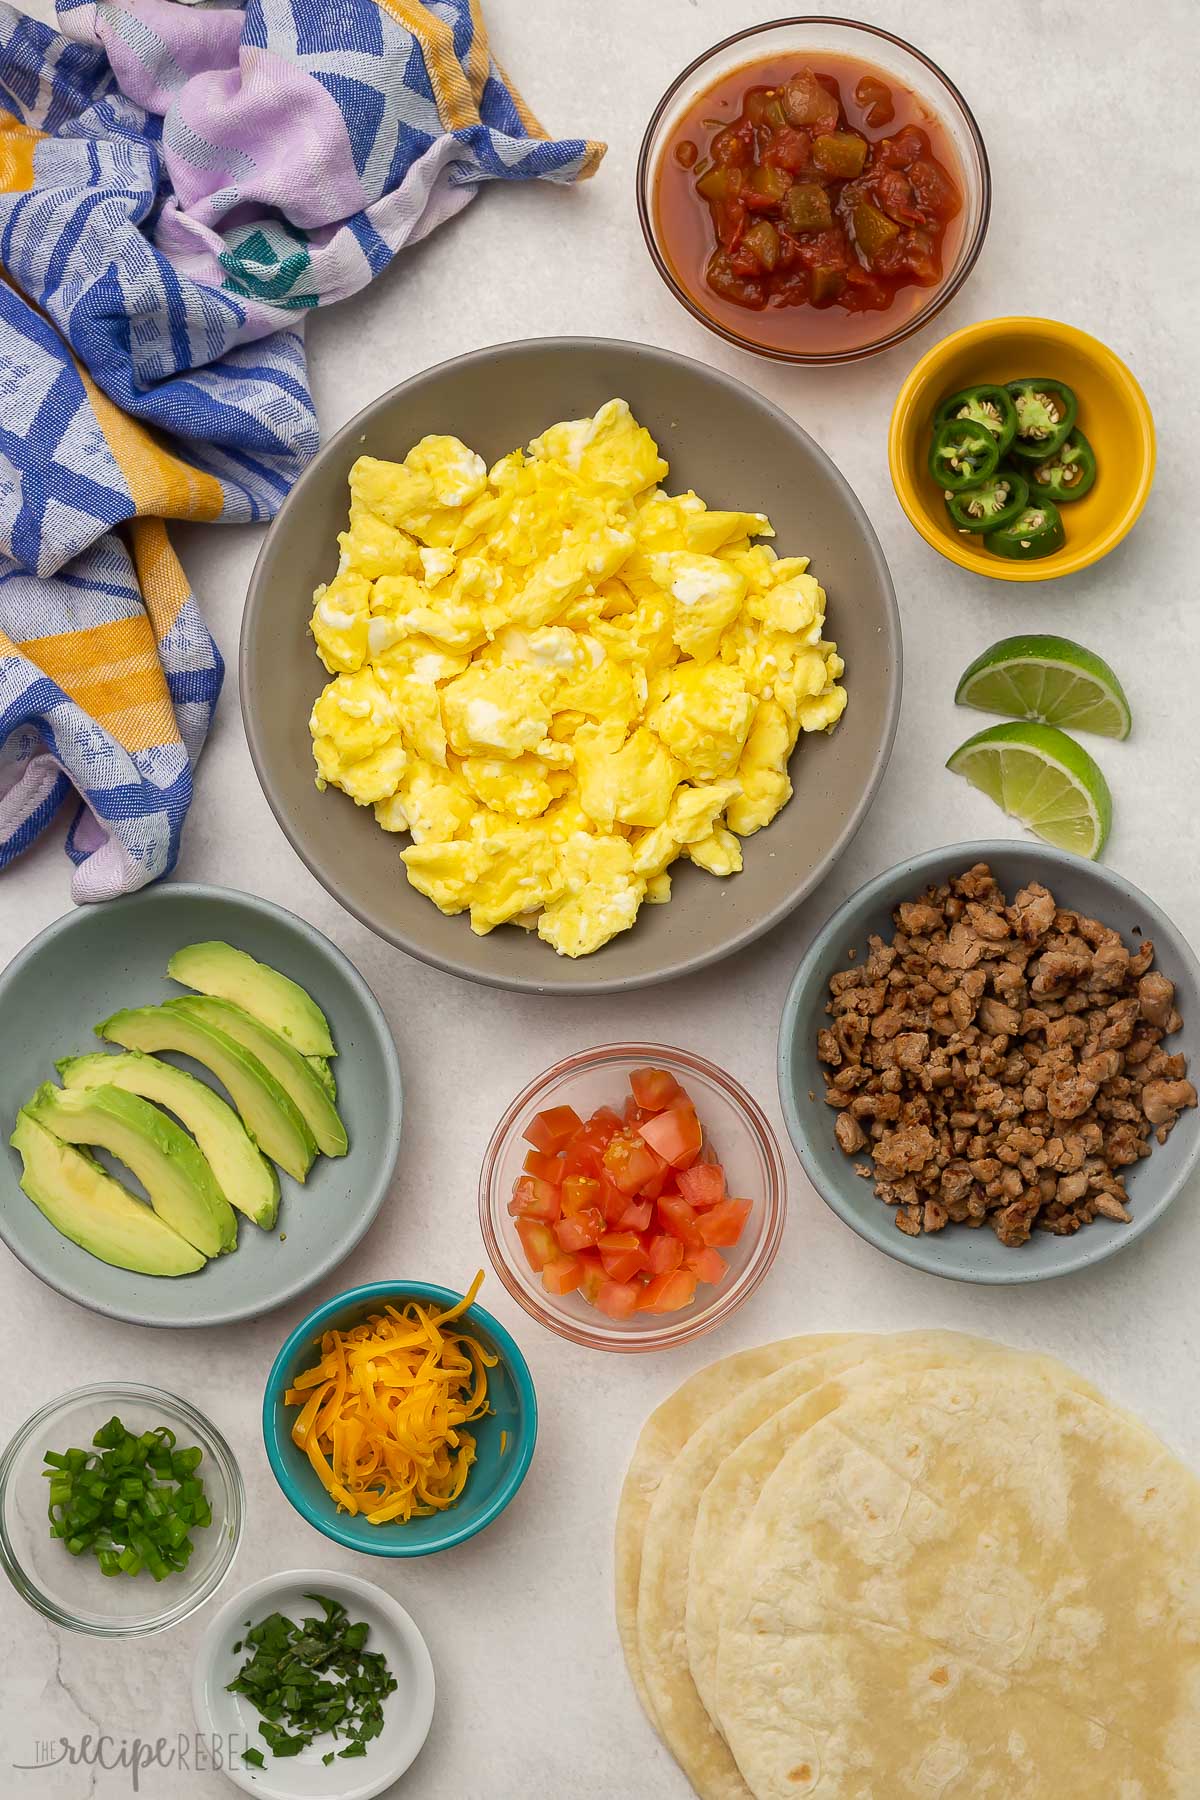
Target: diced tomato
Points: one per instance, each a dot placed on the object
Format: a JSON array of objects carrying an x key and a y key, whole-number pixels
[
  {"x": 902, "y": 149},
  {"x": 582, "y": 1156},
  {"x": 706, "y": 1265},
  {"x": 654, "y": 1089},
  {"x": 562, "y": 1275},
  {"x": 895, "y": 195},
  {"x": 550, "y": 1130},
  {"x": 723, "y": 1224},
  {"x": 682, "y": 1221},
  {"x": 613, "y": 1203},
  {"x": 580, "y": 1231},
  {"x": 936, "y": 194},
  {"x": 534, "y": 1199},
  {"x": 629, "y": 1208},
  {"x": 538, "y": 1243},
  {"x": 675, "y": 1135},
  {"x": 619, "y": 1299},
  {"x": 731, "y": 148},
  {"x": 593, "y": 1276},
  {"x": 629, "y": 1162},
  {"x": 622, "y": 1254},
  {"x": 544, "y": 1166},
  {"x": 579, "y": 1192},
  {"x": 667, "y": 1293},
  {"x": 665, "y": 1253},
  {"x": 637, "y": 1216},
  {"x": 703, "y": 1184},
  {"x": 788, "y": 149}
]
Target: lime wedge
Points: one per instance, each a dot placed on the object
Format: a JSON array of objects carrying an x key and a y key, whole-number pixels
[
  {"x": 1051, "y": 679},
  {"x": 1041, "y": 776}
]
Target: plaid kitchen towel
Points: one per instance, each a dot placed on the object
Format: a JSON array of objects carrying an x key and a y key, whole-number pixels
[{"x": 178, "y": 186}]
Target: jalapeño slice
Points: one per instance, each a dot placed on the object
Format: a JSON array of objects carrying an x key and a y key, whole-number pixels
[
  {"x": 1036, "y": 531},
  {"x": 1046, "y": 411},
  {"x": 994, "y": 503},
  {"x": 962, "y": 455},
  {"x": 1068, "y": 474},
  {"x": 989, "y": 405}
]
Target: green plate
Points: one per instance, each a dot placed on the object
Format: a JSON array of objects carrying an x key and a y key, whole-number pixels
[{"x": 97, "y": 959}]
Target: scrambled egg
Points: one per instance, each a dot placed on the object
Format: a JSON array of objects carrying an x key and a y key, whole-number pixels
[{"x": 558, "y": 678}]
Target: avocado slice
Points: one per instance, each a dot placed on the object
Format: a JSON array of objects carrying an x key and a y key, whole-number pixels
[
  {"x": 324, "y": 1074},
  {"x": 279, "y": 1003},
  {"x": 82, "y": 1200},
  {"x": 268, "y": 1113},
  {"x": 294, "y": 1073},
  {"x": 245, "y": 1177},
  {"x": 182, "y": 1188}
]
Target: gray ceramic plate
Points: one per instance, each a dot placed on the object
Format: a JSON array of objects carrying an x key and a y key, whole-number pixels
[
  {"x": 98, "y": 959},
  {"x": 736, "y": 450},
  {"x": 958, "y": 1251}
]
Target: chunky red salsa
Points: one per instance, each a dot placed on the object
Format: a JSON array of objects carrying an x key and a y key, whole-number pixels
[{"x": 829, "y": 189}]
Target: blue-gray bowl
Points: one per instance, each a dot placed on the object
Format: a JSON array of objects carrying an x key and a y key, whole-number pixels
[
  {"x": 959, "y": 1252},
  {"x": 97, "y": 959}
]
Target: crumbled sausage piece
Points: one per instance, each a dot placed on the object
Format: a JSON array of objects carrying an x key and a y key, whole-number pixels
[
  {"x": 1156, "y": 999},
  {"x": 849, "y": 1133},
  {"x": 996, "y": 1017},
  {"x": 1032, "y": 912},
  {"x": 917, "y": 917},
  {"x": 1001, "y": 1063},
  {"x": 904, "y": 1152},
  {"x": 1163, "y": 1101}
]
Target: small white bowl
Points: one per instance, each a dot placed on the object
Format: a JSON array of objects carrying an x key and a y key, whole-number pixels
[{"x": 408, "y": 1712}]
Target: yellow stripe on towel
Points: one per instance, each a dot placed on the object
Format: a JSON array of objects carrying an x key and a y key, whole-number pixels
[
  {"x": 17, "y": 145},
  {"x": 112, "y": 671},
  {"x": 160, "y": 573},
  {"x": 158, "y": 482},
  {"x": 457, "y": 106}
]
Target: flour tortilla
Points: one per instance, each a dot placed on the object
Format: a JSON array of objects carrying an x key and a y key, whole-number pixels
[
  {"x": 662, "y": 1437},
  {"x": 968, "y": 1588},
  {"x": 803, "y": 1393},
  {"x": 734, "y": 1489}
]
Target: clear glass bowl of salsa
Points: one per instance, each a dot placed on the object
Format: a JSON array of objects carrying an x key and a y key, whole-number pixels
[{"x": 813, "y": 190}]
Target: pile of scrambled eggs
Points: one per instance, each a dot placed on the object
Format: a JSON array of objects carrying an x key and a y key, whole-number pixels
[{"x": 558, "y": 678}]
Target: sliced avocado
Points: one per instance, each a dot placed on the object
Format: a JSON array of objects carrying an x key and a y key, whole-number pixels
[
  {"x": 245, "y": 1177},
  {"x": 324, "y": 1074},
  {"x": 275, "y": 1000},
  {"x": 82, "y": 1200},
  {"x": 268, "y": 1112},
  {"x": 182, "y": 1188},
  {"x": 291, "y": 1070}
]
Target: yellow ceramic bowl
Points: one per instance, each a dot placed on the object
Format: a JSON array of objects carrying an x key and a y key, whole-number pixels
[{"x": 1113, "y": 412}]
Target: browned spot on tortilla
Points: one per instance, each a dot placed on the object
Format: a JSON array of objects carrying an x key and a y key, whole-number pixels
[
  {"x": 941, "y": 1676},
  {"x": 802, "y": 1772},
  {"x": 1150, "y": 1493}
]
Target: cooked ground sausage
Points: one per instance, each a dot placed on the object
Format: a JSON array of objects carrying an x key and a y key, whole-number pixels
[{"x": 1001, "y": 1062}]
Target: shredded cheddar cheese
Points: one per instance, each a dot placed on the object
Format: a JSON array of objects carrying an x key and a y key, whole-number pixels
[{"x": 382, "y": 1412}]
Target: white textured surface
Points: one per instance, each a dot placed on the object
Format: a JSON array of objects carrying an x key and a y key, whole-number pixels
[{"x": 532, "y": 1695}]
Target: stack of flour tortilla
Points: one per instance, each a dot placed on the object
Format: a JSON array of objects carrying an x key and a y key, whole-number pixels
[{"x": 867, "y": 1568}]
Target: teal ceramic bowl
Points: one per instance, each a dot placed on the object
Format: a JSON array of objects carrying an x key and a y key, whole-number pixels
[
  {"x": 497, "y": 1473},
  {"x": 97, "y": 959},
  {"x": 958, "y": 1251}
]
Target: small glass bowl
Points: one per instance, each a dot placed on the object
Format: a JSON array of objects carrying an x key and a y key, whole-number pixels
[
  {"x": 742, "y": 1139},
  {"x": 70, "y": 1590},
  {"x": 806, "y": 38}
]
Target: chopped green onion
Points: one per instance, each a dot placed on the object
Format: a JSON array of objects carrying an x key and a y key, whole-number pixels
[{"x": 131, "y": 1505}]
